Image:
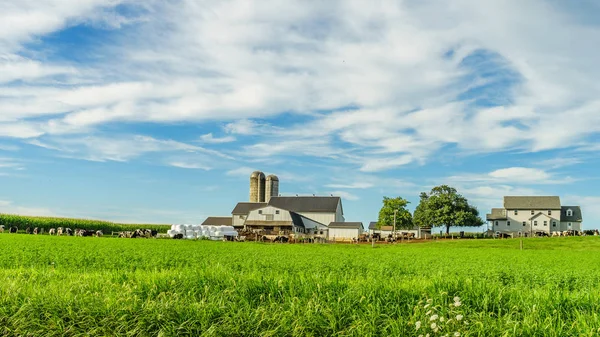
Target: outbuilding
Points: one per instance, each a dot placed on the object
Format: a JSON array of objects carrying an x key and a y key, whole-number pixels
[{"x": 345, "y": 231}]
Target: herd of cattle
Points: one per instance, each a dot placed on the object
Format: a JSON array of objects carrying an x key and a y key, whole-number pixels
[{"x": 66, "y": 231}]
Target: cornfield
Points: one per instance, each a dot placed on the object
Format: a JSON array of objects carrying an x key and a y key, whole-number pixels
[
  {"x": 22, "y": 222},
  {"x": 75, "y": 286}
]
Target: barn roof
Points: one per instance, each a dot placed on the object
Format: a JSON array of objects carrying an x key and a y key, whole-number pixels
[
  {"x": 576, "y": 213},
  {"x": 306, "y": 203},
  {"x": 358, "y": 225},
  {"x": 497, "y": 214},
  {"x": 373, "y": 225},
  {"x": 246, "y": 207},
  {"x": 218, "y": 221},
  {"x": 532, "y": 202}
]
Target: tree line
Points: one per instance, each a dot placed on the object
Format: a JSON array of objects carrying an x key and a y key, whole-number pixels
[{"x": 442, "y": 206}]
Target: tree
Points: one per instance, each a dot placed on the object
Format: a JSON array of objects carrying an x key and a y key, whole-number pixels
[
  {"x": 386, "y": 214},
  {"x": 422, "y": 217},
  {"x": 446, "y": 207}
]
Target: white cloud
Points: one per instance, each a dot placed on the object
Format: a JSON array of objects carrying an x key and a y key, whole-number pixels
[
  {"x": 357, "y": 185},
  {"x": 9, "y": 207},
  {"x": 125, "y": 148},
  {"x": 209, "y": 138},
  {"x": 520, "y": 174},
  {"x": 346, "y": 195},
  {"x": 238, "y": 62},
  {"x": 243, "y": 171},
  {"x": 188, "y": 165}
]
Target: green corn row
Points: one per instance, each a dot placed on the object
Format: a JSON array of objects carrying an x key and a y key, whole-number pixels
[{"x": 22, "y": 222}]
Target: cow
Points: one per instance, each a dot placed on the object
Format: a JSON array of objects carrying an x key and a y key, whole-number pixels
[
  {"x": 36, "y": 231},
  {"x": 1, "y": 228},
  {"x": 178, "y": 236},
  {"x": 68, "y": 231},
  {"x": 59, "y": 231},
  {"x": 51, "y": 231},
  {"x": 14, "y": 229},
  {"x": 556, "y": 233},
  {"x": 28, "y": 230},
  {"x": 98, "y": 234}
]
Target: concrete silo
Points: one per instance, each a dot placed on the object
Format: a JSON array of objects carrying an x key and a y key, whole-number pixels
[
  {"x": 272, "y": 187},
  {"x": 261, "y": 187},
  {"x": 255, "y": 181}
]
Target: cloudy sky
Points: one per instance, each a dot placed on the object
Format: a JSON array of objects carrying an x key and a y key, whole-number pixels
[{"x": 157, "y": 111}]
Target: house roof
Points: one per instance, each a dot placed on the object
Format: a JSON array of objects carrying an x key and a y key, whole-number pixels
[
  {"x": 373, "y": 225},
  {"x": 218, "y": 221},
  {"x": 531, "y": 202},
  {"x": 541, "y": 214},
  {"x": 306, "y": 203},
  {"x": 576, "y": 213},
  {"x": 497, "y": 214},
  {"x": 358, "y": 225},
  {"x": 246, "y": 207}
]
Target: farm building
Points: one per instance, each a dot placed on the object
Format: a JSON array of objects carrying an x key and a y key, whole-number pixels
[
  {"x": 385, "y": 231},
  {"x": 345, "y": 231},
  {"x": 534, "y": 215},
  {"x": 217, "y": 221},
  {"x": 303, "y": 214}
]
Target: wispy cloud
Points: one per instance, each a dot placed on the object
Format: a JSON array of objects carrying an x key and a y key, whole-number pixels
[
  {"x": 209, "y": 138},
  {"x": 357, "y": 185}
]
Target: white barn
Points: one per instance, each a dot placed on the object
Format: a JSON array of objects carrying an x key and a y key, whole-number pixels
[{"x": 345, "y": 231}]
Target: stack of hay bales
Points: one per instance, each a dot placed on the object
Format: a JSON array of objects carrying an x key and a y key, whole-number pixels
[{"x": 199, "y": 232}]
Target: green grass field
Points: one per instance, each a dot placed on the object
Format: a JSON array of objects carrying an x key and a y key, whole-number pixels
[{"x": 73, "y": 286}]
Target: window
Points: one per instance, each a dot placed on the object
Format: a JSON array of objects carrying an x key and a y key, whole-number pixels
[
  {"x": 570, "y": 224},
  {"x": 553, "y": 223},
  {"x": 535, "y": 223},
  {"x": 569, "y": 212},
  {"x": 545, "y": 223},
  {"x": 532, "y": 212},
  {"x": 549, "y": 212},
  {"x": 260, "y": 211},
  {"x": 524, "y": 223},
  {"x": 516, "y": 212},
  {"x": 276, "y": 212},
  {"x": 496, "y": 223},
  {"x": 508, "y": 223}
]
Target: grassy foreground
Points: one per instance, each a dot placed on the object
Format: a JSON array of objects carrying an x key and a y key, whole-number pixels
[
  {"x": 23, "y": 221},
  {"x": 72, "y": 286}
]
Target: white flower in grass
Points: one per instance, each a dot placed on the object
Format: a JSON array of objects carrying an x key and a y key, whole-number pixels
[
  {"x": 457, "y": 334},
  {"x": 459, "y": 317},
  {"x": 420, "y": 335},
  {"x": 426, "y": 306},
  {"x": 456, "y": 299},
  {"x": 466, "y": 323},
  {"x": 433, "y": 318},
  {"x": 457, "y": 304},
  {"x": 427, "y": 313},
  {"x": 418, "y": 325},
  {"x": 427, "y": 335},
  {"x": 436, "y": 330},
  {"x": 442, "y": 319}
]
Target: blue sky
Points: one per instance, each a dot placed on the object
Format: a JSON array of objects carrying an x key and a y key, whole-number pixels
[{"x": 158, "y": 111}]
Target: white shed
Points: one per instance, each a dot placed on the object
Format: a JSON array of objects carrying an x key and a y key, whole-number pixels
[{"x": 345, "y": 231}]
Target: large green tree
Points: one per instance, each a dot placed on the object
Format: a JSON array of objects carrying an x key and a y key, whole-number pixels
[
  {"x": 444, "y": 206},
  {"x": 386, "y": 214}
]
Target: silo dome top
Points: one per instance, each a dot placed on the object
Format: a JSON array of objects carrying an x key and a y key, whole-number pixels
[
  {"x": 273, "y": 177},
  {"x": 257, "y": 174}
]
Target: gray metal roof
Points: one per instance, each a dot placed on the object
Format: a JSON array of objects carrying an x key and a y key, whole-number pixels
[
  {"x": 576, "y": 213},
  {"x": 497, "y": 214},
  {"x": 358, "y": 225},
  {"x": 246, "y": 207},
  {"x": 218, "y": 221},
  {"x": 531, "y": 202},
  {"x": 373, "y": 225},
  {"x": 306, "y": 204}
]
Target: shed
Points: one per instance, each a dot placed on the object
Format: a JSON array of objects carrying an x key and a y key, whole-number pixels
[{"x": 345, "y": 231}]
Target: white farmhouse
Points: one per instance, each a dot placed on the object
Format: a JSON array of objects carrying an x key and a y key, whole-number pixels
[{"x": 534, "y": 215}]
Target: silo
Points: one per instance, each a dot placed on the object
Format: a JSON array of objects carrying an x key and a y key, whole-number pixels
[
  {"x": 261, "y": 187},
  {"x": 272, "y": 188},
  {"x": 254, "y": 185}
]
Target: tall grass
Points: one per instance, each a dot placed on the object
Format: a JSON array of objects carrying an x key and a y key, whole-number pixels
[
  {"x": 68, "y": 286},
  {"x": 22, "y": 222}
]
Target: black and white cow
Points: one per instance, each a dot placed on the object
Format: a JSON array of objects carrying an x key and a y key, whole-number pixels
[{"x": 14, "y": 229}]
